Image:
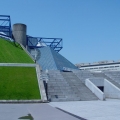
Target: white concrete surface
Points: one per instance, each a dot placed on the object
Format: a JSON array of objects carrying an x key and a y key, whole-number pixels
[
  {"x": 40, "y": 111},
  {"x": 92, "y": 110},
  {"x": 110, "y": 90},
  {"x": 95, "y": 89}
]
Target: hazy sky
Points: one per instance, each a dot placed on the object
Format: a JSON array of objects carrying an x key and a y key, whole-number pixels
[{"x": 90, "y": 28}]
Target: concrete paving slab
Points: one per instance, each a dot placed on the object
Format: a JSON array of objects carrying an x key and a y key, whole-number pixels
[
  {"x": 92, "y": 110},
  {"x": 41, "y": 111}
]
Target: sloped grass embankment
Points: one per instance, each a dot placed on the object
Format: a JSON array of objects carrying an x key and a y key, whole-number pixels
[
  {"x": 18, "y": 83},
  {"x": 11, "y": 52}
]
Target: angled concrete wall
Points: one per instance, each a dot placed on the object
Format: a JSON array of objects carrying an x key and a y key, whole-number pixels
[
  {"x": 95, "y": 89},
  {"x": 110, "y": 90},
  {"x": 41, "y": 84}
]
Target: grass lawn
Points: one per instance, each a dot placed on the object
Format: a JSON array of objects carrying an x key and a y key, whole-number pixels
[
  {"x": 18, "y": 83},
  {"x": 9, "y": 53}
]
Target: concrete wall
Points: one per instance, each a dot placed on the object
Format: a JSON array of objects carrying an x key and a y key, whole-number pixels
[
  {"x": 110, "y": 90},
  {"x": 41, "y": 85},
  {"x": 95, "y": 89}
]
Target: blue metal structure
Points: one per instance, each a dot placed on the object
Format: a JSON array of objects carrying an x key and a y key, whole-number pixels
[
  {"x": 5, "y": 26},
  {"x": 39, "y": 42},
  {"x": 32, "y": 42}
]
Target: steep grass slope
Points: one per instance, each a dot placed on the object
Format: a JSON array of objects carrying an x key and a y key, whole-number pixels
[
  {"x": 11, "y": 53},
  {"x": 18, "y": 83}
]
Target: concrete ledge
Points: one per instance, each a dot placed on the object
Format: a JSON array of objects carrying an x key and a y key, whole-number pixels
[
  {"x": 41, "y": 85},
  {"x": 110, "y": 90},
  {"x": 95, "y": 89},
  {"x": 23, "y": 101},
  {"x": 18, "y": 64}
]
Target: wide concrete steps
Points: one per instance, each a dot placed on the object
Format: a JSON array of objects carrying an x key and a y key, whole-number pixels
[
  {"x": 78, "y": 87},
  {"x": 82, "y": 75},
  {"x": 66, "y": 86},
  {"x": 113, "y": 81},
  {"x": 106, "y": 76},
  {"x": 58, "y": 88}
]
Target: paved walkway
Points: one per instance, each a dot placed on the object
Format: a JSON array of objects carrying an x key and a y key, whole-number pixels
[
  {"x": 80, "y": 110},
  {"x": 41, "y": 111},
  {"x": 92, "y": 110}
]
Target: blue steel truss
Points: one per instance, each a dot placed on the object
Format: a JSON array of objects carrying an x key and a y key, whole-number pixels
[
  {"x": 38, "y": 42},
  {"x": 5, "y": 26}
]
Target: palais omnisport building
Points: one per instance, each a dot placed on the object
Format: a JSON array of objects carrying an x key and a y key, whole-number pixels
[{"x": 62, "y": 80}]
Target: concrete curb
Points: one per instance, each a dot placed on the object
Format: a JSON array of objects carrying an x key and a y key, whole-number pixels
[
  {"x": 18, "y": 64},
  {"x": 22, "y": 101}
]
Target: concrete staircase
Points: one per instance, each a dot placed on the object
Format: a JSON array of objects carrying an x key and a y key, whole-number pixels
[
  {"x": 82, "y": 75},
  {"x": 56, "y": 86},
  {"x": 105, "y": 75},
  {"x": 65, "y": 86},
  {"x": 78, "y": 87}
]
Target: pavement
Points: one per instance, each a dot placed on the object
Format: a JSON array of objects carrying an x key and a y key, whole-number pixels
[
  {"x": 77, "y": 110},
  {"x": 41, "y": 111},
  {"x": 92, "y": 110}
]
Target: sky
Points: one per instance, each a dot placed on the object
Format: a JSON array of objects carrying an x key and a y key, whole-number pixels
[{"x": 90, "y": 29}]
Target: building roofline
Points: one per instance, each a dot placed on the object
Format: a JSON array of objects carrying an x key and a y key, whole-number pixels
[{"x": 100, "y": 64}]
